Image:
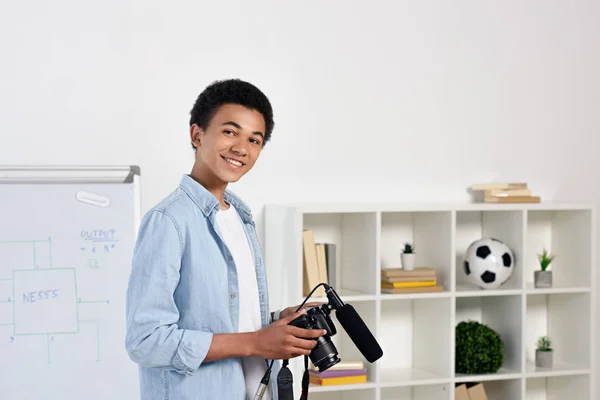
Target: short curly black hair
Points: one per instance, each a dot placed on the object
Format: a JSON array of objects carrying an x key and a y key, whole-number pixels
[{"x": 231, "y": 91}]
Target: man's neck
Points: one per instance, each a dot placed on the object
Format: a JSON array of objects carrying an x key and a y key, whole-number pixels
[{"x": 216, "y": 188}]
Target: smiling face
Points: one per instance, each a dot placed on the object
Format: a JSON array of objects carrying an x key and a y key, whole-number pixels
[{"x": 229, "y": 146}]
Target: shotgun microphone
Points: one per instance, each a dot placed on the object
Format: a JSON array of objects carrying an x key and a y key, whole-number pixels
[
  {"x": 358, "y": 331},
  {"x": 354, "y": 326}
]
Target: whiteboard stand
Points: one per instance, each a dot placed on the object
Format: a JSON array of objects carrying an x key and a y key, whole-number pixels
[{"x": 67, "y": 235}]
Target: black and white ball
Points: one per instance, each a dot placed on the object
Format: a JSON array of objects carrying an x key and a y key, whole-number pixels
[{"x": 488, "y": 263}]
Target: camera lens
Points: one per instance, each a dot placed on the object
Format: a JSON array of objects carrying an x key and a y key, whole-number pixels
[{"x": 324, "y": 355}]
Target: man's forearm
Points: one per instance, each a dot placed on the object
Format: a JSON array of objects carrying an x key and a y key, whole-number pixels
[{"x": 230, "y": 345}]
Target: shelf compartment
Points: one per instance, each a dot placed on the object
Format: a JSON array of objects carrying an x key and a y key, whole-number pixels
[
  {"x": 558, "y": 387},
  {"x": 504, "y": 225},
  {"x": 504, "y": 315},
  {"x": 347, "y": 350},
  {"x": 565, "y": 318},
  {"x": 414, "y": 351},
  {"x": 568, "y": 235},
  {"x": 355, "y": 238},
  {"x": 440, "y": 391},
  {"x": 431, "y": 234}
]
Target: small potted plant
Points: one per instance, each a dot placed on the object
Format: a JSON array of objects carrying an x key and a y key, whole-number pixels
[
  {"x": 543, "y": 353},
  {"x": 408, "y": 257},
  {"x": 543, "y": 277}
]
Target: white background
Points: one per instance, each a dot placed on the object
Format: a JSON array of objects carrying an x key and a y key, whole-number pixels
[{"x": 373, "y": 100}]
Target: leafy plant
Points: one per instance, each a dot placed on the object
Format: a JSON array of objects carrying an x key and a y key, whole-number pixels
[
  {"x": 544, "y": 344},
  {"x": 408, "y": 248},
  {"x": 479, "y": 349},
  {"x": 545, "y": 259}
]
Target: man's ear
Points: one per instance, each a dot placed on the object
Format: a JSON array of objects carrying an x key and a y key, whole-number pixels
[{"x": 195, "y": 135}]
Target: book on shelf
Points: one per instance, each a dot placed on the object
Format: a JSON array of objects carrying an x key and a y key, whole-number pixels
[
  {"x": 499, "y": 186},
  {"x": 512, "y": 199},
  {"x": 341, "y": 380},
  {"x": 318, "y": 263},
  {"x": 418, "y": 272},
  {"x": 418, "y": 280},
  {"x": 342, "y": 365},
  {"x": 343, "y": 373},
  {"x": 505, "y": 192},
  {"x": 336, "y": 373}
]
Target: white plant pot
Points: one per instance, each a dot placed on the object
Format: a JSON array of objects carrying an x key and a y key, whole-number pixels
[{"x": 408, "y": 261}]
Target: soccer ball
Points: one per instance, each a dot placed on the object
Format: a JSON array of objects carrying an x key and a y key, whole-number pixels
[{"x": 488, "y": 263}]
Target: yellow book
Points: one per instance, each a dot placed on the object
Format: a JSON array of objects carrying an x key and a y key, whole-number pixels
[
  {"x": 385, "y": 284},
  {"x": 341, "y": 380},
  {"x": 422, "y": 289}
]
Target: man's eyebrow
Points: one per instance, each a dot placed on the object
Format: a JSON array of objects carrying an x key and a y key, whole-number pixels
[
  {"x": 231, "y": 123},
  {"x": 239, "y": 127}
]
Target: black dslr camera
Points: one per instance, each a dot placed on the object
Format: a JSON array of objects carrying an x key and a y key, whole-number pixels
[{"x": 324, "y": 355}]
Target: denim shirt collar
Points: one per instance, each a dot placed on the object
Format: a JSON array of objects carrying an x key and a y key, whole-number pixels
[{"x": 208, "y": 203}]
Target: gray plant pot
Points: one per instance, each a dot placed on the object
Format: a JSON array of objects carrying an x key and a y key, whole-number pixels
[
  {"x": 543, "y": 279},
  {"x": 543, "y": 359}
]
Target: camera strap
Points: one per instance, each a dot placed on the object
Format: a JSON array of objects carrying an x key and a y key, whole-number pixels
[
  {"x": 285, "y": 389},
  {"x": 305, "y": 380}
]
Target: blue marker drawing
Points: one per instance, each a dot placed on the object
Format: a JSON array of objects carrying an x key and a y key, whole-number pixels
[
  {"x": 41, "y": 295},
  {"x": 100, "y": 235},
  {"x": 100, "y": 240},
  {"x": 40, "y": 288}
]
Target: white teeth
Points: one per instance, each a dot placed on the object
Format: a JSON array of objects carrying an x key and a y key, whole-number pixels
[{"x": 234, "y": 162}]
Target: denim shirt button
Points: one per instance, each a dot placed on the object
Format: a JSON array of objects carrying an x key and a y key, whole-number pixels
[{"x": 233, "y": 295}]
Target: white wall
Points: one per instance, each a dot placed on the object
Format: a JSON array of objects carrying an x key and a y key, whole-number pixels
[{"x": 373, "y": 100}]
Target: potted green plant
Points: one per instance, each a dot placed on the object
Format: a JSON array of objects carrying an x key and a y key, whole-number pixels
[
  {"x": 543, "y": 277},
  {"x": 479, "y": 349},
  {"x": 543, "y": 353},
  {"x": 407, "y": 256}
]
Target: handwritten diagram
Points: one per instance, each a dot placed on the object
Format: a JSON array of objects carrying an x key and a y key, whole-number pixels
[{"x": 41, "y": 299}]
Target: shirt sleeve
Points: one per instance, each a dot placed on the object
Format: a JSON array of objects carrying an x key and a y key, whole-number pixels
[
  {"x": 153, "y": 338},
  {"x": 275, "y": 316}
]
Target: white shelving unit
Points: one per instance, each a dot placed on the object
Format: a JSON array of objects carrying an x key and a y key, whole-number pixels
[{"x": 417, "y": 331}]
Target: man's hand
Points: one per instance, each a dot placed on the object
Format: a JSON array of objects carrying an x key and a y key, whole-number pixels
[
  {"x": 281, "y": 341},
  {"x": 291, "y": 310}
]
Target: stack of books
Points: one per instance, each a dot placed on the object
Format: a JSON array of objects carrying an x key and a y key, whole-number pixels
[
  {"x": 343, "y": 373},
  {"x": 418, "y": 280},
  {"x": 505, "y": 192}
]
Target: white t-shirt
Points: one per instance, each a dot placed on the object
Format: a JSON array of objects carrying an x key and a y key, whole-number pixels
[{"x": 229, "y": 226}]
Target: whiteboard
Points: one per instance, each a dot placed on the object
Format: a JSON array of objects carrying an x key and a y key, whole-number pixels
[{"x": 66, "y": 242}]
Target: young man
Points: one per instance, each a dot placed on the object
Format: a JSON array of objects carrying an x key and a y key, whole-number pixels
[{"x": 198, "y": 322}]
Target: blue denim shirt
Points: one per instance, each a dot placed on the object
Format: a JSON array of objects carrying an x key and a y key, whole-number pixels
[{"x": 183, "y": 289}]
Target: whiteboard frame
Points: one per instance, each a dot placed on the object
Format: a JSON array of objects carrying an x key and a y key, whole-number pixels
[
  {"x": 68, "y": 174},
  {"x": 52, "y": 174}
]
